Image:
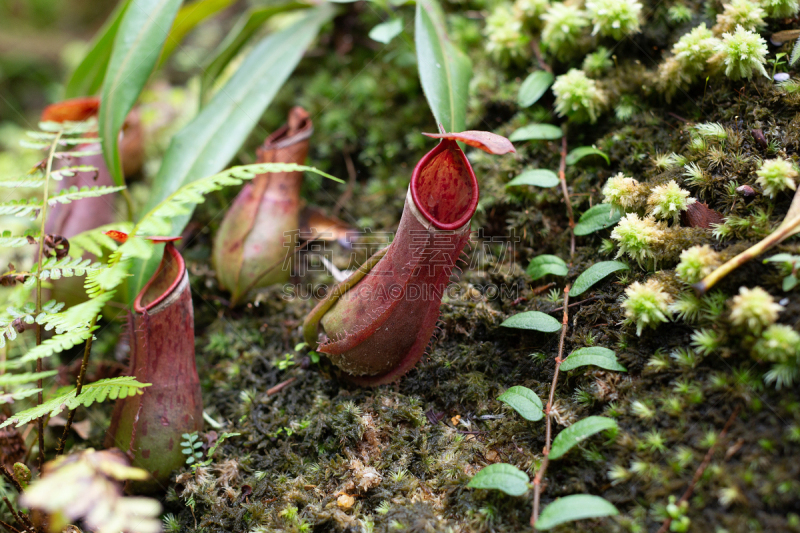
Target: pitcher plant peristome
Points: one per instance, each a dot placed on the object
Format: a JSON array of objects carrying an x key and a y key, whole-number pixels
[{"x": 376, "y": 324}]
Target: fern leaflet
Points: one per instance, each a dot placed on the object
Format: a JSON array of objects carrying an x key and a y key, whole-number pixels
[
  {"x": 99, "y": 391},
  {"x": 31, "y": 182},
  {"x": 11, "y": 397},
  {"x": 21, "y": 208},
  {"x": 95, "y": 241},
  {"x": 68, "y": 195},
  {"x": 66, "y": 172},
  {"x": 795, "y": 53},
  {"x": 7, "y": 240},
  {"x": 51, "y": 346},
  {"x": 24, "y": 379}
]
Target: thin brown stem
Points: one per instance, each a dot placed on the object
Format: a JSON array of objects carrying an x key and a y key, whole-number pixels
[
  {"x": 39, "y": 257},
  {"x": 562, "y": 177},
  {"x": 548, "y": 411},
  {"x": 79, "y": 387},
  {"x": 280, "y": 386},
  {"x": 703, "y": 465},
  {"x": 10, "y": 477},
  {"x": 19, "y": 517},
  {"x": 537, "y": 51},
  {"x": 9, "y": 527}
]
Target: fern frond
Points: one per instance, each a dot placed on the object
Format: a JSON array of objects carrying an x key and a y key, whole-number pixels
[
  {"x": 66, "y": 267},
  {"x": 99, "y": 391},
  {"x": 156, "y": 222},
  {"x": 31, "y": 182},
  {"x": 69, "y": 127},
  {"x": 51, "y": 346},
  {"x": 7, "y": 240},
  {"x": 95, "y": 241},
  {"x": 106, "y": 279},
  {"x": 70, "y": 194},
  {"x": 21, "y": 208},
  {"x": 34, "y": 145},
  {"x": 11, "y": 397},
  {"x": 68, "y": 172},
  {"x": 77, "y": 153},
  {"x": 77, "y": 316},
  {"x": 25, "y": 378},
  {"x": 24, "y": 314}
]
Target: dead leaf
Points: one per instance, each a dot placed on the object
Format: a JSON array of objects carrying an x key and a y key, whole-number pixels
[
  {"x": 699, "y": 215},
  {"x": 484, "y": 140}
]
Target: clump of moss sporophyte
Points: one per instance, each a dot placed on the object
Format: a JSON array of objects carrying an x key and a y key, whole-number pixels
[
  {"x": 646, "y": 304},
  {"x": 776, "y": 175},
  {"x": 744, "y": 13},
  {"x": 667, "y": 201},
  {"x": 741, "y": 53},
  {"x": 563, "y": 27},
  {"x": 614, "y": 18},
  {"x": 679, "y": 13},
  {"x": 598, "y": 62},
  {"x": 689, "y": 59},
  {"x": 624, "y": 194},
  {"x": 638, "y": 237},
  {"x": 696, "y": 263},
  {"x": 530, "y": 11},
  {"x": 579, "y": 97},
  {"x": 507, "y": 40},
  {"x": 781, "y": 8},
  {"x": 754, "y": 309},
  {"x": 779, "y": 345}
]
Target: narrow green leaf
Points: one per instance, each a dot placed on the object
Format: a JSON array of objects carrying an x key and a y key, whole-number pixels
[
  {"x": 501, "y": 476},
  {"x": 138, "y": 43},
  {"x": 534, "y": 87},
  {"x": 188, "y": 17},
  {"x": 595, "y": 273},
  {"x": 578, "y": 432},
  {"x": 593, "y": 355},
  {"x": 208, "y": 143},
  {"x": 88, "y": 76},
  {"x": 537, "y": 132},
  {"x": 386, "y": 31},
  {"x": 538, "y": 177},
  {"x": 574, "y": 507},
  {"x": 596, "y": 218},
  {"x": 534, "y": 320},
  {"x": 444, "y": 70},
  {"x": 545, "y": 264},
  {"x": 579, "y": 153},
  {"x": 241, "y": 33},
  {"x": 795, "y": 53},
  {"x": 524, "y": 401}
]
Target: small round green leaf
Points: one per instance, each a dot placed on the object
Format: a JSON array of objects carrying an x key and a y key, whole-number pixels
[
  {"x": 596, "y": 218},
  {"x": 537, "y": 132},
  {"x": 534, "y": 87},
  {"x": 575, "y": 507},
  {"x": 524, "y": 401},
  {"x": 579, "y": 153},
  {"x": 537, "y": 177},
  {"x": 595, "y": 273},
  {"x": 593, "y": 355},
  {"x": 386, "y": 31},
  {"x": 545, "y": 264},
  {"x": 501, "y": 476},
  {"x": 534, "y": 320},
  {"x": 578, "y": 432}
]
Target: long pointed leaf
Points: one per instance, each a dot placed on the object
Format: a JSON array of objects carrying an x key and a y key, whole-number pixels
[
  {"x": 187, "y": 19},
  {"x": 208, "y": 143},
  {"x": 245, "y": 28},
  {"x": 88, "y": 76},
  {"x": 137, "y": 45},
  {"x": 443, "y": 69}
]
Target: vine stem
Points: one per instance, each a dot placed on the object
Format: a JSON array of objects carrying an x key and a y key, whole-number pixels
[
  {"x": 81, "y": 376},
  {"x": 702, "y": 468},
  {"x": 40, "y": 254},
  {"x": 562, "y": 177},
  {"x": 537, "y": 480}
]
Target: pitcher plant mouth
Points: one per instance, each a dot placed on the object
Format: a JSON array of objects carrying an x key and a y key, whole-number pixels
[
  {"x": 171, "y": 272},
  {"x": 444, "y": 188}
]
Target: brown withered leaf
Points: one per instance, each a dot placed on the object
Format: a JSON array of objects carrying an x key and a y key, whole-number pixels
[
  {"x": 486, "y": 141},
  {"x": 314, "y": 221},
  {"x": 12, "y": 447},
  {"x": 699, "y": 215},
  {"x": 780, "y": 37}
]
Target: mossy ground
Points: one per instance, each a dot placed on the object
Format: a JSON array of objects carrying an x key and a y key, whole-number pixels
[{"x": 406, "y": 451}]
